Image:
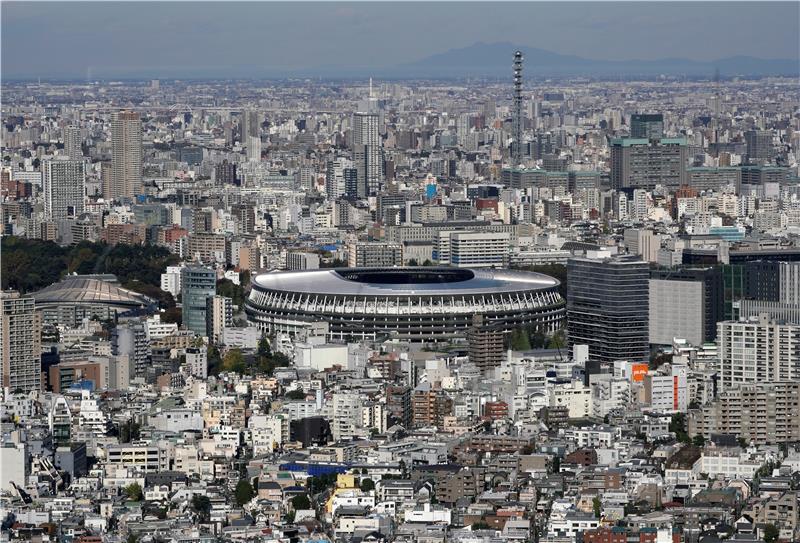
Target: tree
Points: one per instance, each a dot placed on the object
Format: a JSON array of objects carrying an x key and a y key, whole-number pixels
[
  {"x": 229, "y": 289},
  {"x": 413, "y": 262},
  {"x": 557, "y": 341},
  {"x": 301, "y": 501},
  {"x": 244, "y": 492},
  {"x": 296, "y": 394},
  {"x": 367, "y": 485},
  {"x": 201, "y": 505},
  {"x": 427, "y": 263},
  {"x": 698, "y": 440},
  {"x": 597, "y": 506},
  {"x": 263, "y": 346},
  {"x": 771, "y": 533},
  {"x": 234, "y": 361},
  {"x": 520, "y": 341},
  {"x": 678, "y": 426},
  {"x": 481, "y": 525},
  {"x": 134, "y": 492}
]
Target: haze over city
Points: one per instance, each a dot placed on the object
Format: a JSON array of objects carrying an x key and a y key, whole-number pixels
[{"x": 382, "y": 272}]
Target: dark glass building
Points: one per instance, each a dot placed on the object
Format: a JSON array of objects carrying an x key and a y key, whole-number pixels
[{"x": 608, "y": 308}]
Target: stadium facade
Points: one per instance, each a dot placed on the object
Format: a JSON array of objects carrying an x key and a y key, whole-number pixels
[{"x": 417, "y": 304}]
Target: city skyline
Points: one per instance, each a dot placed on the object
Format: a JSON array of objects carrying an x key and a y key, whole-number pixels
[{"x": 270, "y": 40}]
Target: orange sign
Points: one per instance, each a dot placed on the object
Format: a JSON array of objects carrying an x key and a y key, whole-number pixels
[{"x": 638, "y": 371}]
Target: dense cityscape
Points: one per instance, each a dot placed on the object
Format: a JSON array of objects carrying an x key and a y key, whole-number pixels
[{"x": 316, "y": 310}]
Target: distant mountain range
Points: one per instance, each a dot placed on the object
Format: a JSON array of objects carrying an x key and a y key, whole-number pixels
[{"x": 495, "y": 59}]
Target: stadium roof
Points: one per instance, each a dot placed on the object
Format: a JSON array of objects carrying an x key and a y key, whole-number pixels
[
  {"x": 83, "y": 289},
  {"x": 412, "y": 281}
]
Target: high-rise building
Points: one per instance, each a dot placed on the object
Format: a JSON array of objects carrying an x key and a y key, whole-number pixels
[
  {"x": 367, "y": 153},
  {"x": 647, "y": 125},
  {"x": 72, "y": 143},
  {"x": 608, "y": 307},
  {"x": 758, "y": 350},
  {"x": 302, "y": 260},
  {"x": 686, "y": 303},
  {"x": 643, "y": 163},
  {"x": 219, "y": 315},
  {"x": 334, "y": 178},
  {"x": 759, "y": 146},
  {"x": 479, "y": 249},
  {"x": 789, "y": 278},
  {"x": 398, "y": 404},
  {"x": 197, "y": 362},
  {"x": 130, "y": 339},
  {"x": 485, "y": 344},
  {"x": 250, "y": 125},
  {"x": 64, "y": 188},
  {"x": 20, "y": 342},
  {"x": 225, "y": 173},
  {"x": 125, "y": 180},
  {"x": 517, "y": 119},
  {"x": 197, "y": 285},
  {"x": 253, "y": 148}
]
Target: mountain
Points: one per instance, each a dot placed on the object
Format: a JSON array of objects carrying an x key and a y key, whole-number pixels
[{"x": 495, "y": 59}]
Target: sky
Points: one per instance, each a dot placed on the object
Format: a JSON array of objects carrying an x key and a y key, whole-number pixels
[{"x": 76, "y": 40}]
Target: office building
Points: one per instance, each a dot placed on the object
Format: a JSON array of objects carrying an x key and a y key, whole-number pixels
[
  {"x": 225, "y": 173},
  {"x": 253, "y": 148},
  {"x": 759, "y": 146},
  {"x": 758, "y": 350},
  {"x": 478, "y": 249},
  {"x": 608, "y": 307},
  {"x": 249, "y": 125},
  {"x": 789, "y": 283},
  {"x": 125, "y": 179},
  {"x": 197, "y": 285},
  {"x": 715, "y": 179},
  {"x": 757, "y": 412},
  {"x": 647, "y": 125},
  {"x": 367, "y": 153},
  {"x": 297, "y": 260},
  {"x": 643, "y": 242},
  {"x": 20, "y": 342},
  {"x": 685, "y": 303},
  {"x": 374, "y": 255},
  {"x": 72, "y": 143},
  {"x": 64, "y": 189},
  {"x": 219, "y": 315},
  {"x": 668, "y": 390},
  {"x": 644, "y": 163}
]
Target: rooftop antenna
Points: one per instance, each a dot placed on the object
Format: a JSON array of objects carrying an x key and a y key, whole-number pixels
[{"x": 370, "y": 88}]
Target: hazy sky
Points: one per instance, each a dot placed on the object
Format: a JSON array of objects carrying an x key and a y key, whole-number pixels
[{"x": 65, "y": 39}]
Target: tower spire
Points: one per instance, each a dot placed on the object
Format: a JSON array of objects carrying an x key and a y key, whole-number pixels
[{"x": 516, "y": 144}]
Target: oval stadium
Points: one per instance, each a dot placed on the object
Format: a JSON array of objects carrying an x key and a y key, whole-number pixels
[{"x": 417, "y": 304}]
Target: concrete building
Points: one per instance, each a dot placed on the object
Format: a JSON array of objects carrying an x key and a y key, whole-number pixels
[
  {"x": 197, "y": 285},
  {"x": 130, "y": 339},
  {"x": 608, "y": 308},
  {"x": 297, "y": 260},
  {"x": 374, "y": 255},
  {"x": 667, "y": 391},
  {"x": 643, "y": 242},
  {"x": 20, "y": 342},
  {"x": 757, "y": 411},
  {"x": 676, "y": 311},
  {"x": 171, "y": 280},
  {"x": 479, "y": 249},
  {"x": 759, "y": 350},
  {"x": 64, "y": 189},
  {"x": 197, "y": 362},
  {"x": 125, "y": 180},
  {"x": 72, "y": 143},
  {"x": 644, "y": 163},
  {"x": 219, "y": 315},
  {"x": 486, "y": 344},
  {"x": 367, "y": 153},
  {"x": 647, "y": 125}
]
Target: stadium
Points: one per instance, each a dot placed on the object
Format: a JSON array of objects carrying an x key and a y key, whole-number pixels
[{"x": 417, "y": 304}]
